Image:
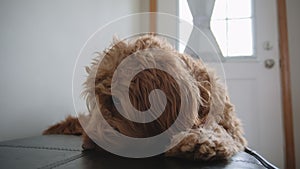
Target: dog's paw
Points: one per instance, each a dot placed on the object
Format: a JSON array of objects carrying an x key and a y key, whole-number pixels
[
  {"x": 214, "y": 150},
  {"x": 185, "y": 147},
  {"x": 204, "y": 145},
  {"x": 205, "y": 151},
  {"x": 188, "y": 143}
]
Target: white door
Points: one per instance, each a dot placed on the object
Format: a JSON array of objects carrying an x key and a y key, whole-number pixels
[{"x": 247, "y": 33}]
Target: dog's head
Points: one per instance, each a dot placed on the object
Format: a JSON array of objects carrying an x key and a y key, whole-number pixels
[
  {"x": 147, "y": 53},
  {"x": 125, "y": 82}
]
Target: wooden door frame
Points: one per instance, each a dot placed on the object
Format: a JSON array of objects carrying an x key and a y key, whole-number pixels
[
  {"x": 286, "y": 86},
  {"x": 284, "y": 75},
  {"x": 153, "y": 9}
]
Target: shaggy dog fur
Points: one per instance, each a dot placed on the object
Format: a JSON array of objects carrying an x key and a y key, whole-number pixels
[{"x": 216, "y": 132}]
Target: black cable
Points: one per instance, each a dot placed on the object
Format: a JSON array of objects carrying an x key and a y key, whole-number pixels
[{"x": 263, "y": 161}]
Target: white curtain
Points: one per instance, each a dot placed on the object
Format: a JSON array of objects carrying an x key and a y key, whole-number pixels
[{"x": 202, "y": 43}]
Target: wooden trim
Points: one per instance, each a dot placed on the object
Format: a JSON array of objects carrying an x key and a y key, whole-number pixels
[
  {"x": 153, "y": 19},
  {"x": 286, "y": 86}
]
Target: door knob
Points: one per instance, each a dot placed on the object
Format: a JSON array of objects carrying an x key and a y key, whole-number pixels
[{"x": 269, "y": 63}]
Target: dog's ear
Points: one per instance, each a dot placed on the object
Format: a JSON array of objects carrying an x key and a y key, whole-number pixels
[
  {"x": 201, "y": 75},
  {"x": 143, "y": 84}
]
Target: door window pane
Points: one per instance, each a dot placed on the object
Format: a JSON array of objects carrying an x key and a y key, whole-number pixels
[
  {"x": 231, "y": 24},
  {"x": 220, "y": 10},
  {"x": 219, "y": 27},
  {"x": 238, "y": 8},
  {"x": 238, "y": 32},
  {"x": 240, "y": 41}
]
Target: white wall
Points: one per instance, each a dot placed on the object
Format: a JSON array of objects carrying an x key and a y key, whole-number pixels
[
  {"x": 293, "y": 15},
  {"x": 39, "y": 42}
]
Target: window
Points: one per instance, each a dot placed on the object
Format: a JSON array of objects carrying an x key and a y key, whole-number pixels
[{"x": 231, "y": 24}]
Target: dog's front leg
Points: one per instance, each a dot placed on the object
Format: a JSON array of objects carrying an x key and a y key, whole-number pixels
[{"x": 203, "y": 144}]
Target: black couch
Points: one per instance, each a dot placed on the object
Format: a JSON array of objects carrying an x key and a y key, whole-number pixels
[{"x": 61, "y": 151}]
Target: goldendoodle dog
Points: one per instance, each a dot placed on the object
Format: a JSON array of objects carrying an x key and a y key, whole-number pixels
[{"x": 215, "y": 131}]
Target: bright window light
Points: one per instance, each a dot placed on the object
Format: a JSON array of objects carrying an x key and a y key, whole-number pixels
[{"x": 231, "y": 24}]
